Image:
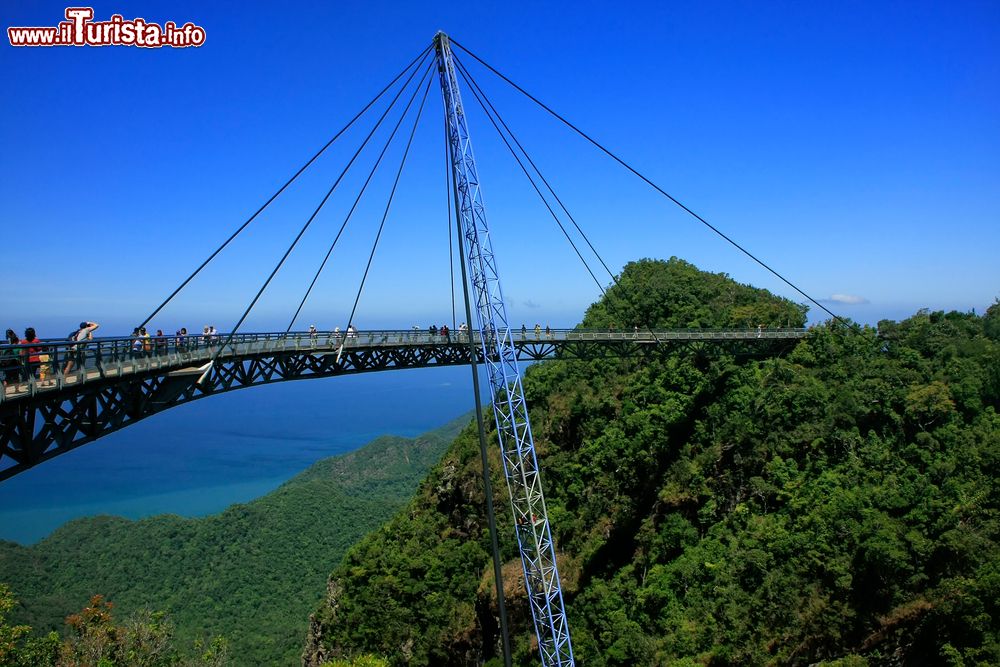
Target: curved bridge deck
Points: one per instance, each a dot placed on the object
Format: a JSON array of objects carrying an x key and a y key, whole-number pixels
[{"x": 112, "y": 384}]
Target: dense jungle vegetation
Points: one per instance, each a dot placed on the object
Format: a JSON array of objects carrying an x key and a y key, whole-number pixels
[
  {"x": 832, "y": 501},
  {"x": 250, "y": 575}
]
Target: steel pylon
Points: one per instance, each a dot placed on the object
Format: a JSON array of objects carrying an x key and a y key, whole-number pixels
[{"x": 534, "y": 535}]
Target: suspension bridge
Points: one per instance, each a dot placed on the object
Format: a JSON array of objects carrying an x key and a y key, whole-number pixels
[{"x": 112, "y": 383}]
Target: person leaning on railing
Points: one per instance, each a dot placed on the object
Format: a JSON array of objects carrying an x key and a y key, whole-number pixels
[{"x": 76, "y": 353}]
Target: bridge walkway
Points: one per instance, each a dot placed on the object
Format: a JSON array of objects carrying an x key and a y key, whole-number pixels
[{"x": 107, "y": 358}]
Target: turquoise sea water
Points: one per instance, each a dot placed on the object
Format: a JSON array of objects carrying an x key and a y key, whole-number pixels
[{"x": 199, "y": 458}]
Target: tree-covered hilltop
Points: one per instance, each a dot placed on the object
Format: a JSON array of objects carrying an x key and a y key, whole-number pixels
[
  {"x": 676, "y": 295},
  {"x": 838, "y": 502},
  {"x": 250, "y": 574}
]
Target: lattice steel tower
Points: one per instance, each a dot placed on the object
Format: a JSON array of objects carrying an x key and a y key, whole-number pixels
[{"x": 534, "y": 536}]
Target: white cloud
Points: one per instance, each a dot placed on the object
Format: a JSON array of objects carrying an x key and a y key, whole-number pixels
[
  {"x": 849, "y": 299},
  {"x": 531, "y": 304}
]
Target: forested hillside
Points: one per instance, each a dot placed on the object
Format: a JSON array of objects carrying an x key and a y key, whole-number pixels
[
  {"x": 250, "y": 574},
  {"x": 835, "y": 502}
]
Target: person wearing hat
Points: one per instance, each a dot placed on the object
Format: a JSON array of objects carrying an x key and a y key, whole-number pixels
[{"x": 76, "y": 353}]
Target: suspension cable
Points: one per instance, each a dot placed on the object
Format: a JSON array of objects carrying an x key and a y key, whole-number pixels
[
  {"x": 535, "y": 186},
  {"x": 532, "y": 181},
  {"x": 653, "y": 185},
  {"x": 472, "y": 82},
  {"x": 477, "y": 92},
  {"x": 357, "y": 199},
  {"x": 294, "y": 177},
  {"x": 312, "y": 217},
  {"x": 385, "y": 215}
]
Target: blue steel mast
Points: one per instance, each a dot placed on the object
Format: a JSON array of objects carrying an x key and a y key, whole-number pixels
[{"x": 534, "y": 535}]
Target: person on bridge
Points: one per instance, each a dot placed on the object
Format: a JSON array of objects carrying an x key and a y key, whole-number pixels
[
  {"x": 76, "y": 353},
  {"x": 548, "y": 331},
  {"x": 10, "y": 362},
  {"x": 446, "y": 332},
  {"x": 524, "y": 331},
  {"x": 160, "y": 342},
  {"x": 33, "y": 354},
  {"x": 351, "y": 331},
  {"x": 136, "y": 343},
  {"x": 538, "y": 330}
]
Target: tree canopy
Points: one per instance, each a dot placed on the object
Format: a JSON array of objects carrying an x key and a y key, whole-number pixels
[{"x": 836, "y": 502}]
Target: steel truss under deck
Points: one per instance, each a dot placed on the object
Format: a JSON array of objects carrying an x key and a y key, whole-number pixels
[{"x": 110, "y": 389}]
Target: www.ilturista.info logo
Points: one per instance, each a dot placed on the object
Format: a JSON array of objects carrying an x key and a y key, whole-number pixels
[{"x": 79, "y": 29}]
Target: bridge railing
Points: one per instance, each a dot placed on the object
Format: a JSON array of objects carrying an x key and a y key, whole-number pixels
[{"x": 56, "y": 363}]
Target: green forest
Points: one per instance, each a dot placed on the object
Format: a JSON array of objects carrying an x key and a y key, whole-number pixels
[
  {"x": 834, "y": 501},
  {"x": 249, "y": 575},
  {"x": 827, "y": 501}
]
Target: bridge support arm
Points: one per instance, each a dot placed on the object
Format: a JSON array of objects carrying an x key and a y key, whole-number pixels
[{"x": 532, "y": 529}]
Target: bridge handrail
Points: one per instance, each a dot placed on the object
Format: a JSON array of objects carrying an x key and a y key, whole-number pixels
[{"x": 411, "y": 334}]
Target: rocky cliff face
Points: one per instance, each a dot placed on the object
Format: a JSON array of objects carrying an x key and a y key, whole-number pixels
[{"x": 315, "y": 654}]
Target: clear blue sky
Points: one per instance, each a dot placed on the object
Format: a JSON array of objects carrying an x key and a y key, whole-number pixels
[{"x": 854, "y": 146}]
